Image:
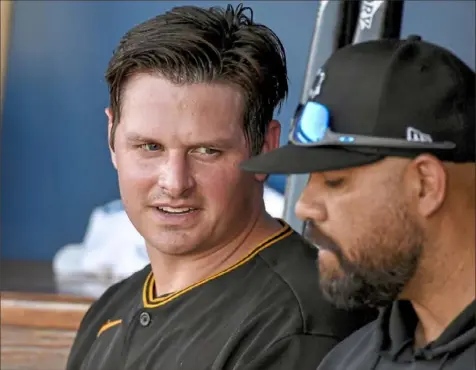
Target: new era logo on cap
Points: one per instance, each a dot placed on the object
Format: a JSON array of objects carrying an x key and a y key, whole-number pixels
[{"x": 417, "y": 136}]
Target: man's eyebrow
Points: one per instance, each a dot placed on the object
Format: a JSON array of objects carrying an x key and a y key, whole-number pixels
[
  {"x": 215, "y": 142},
  {"x": 219, "y": 142},
  {"x": 135, "y": 137},
  {"x": 339, "y": 173}
]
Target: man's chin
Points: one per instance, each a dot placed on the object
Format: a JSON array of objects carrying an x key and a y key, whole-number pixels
[
  {"x": 350, "y": 291},
  {"x": 328, "y": 262},
  {"x": 171, "y": 242}
]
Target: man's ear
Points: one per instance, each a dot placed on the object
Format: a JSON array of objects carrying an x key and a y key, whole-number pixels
[
  {"x": 271, "y": 142},
  {"x": 110, "y": 120},
  {"x": 429, "y": 181}
]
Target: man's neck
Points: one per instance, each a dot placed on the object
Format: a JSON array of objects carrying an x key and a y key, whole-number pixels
[
  {"x": 174, "y": 273},
  {"x": 440, "y": 301}
]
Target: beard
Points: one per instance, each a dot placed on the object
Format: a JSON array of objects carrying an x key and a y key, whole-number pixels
[{"x": 382, "y": 262}]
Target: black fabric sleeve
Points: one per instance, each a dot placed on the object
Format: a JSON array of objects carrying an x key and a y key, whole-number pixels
[{"x": 299, "y": 351}]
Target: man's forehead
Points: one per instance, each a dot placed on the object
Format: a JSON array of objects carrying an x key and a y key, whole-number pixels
[
  {"x": 151, "y": 101},
  {"x": 187, "y": 130}
]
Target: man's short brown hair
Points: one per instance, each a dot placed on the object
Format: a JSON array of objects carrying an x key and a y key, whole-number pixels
[{"x": 190, "y": 44}]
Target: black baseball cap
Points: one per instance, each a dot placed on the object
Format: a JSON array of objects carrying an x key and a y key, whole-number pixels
[{"x": 410, "y": 90}]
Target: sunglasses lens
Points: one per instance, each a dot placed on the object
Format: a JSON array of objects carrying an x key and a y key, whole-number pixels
[{"x": 311, "y": 125}]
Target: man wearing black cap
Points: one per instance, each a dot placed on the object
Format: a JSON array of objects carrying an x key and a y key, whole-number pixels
[{"x": 388, "y": 135}]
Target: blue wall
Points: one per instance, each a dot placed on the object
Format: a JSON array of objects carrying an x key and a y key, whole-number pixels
[
  {"x": 450, "y": 23},
  {"x": 55, "y": 164}
]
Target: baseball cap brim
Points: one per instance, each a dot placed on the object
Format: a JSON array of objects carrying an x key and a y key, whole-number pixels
[{"x": 293, "y": 159}]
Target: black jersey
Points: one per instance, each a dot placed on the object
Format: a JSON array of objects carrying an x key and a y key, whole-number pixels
[{"x": 265, "y": 312}]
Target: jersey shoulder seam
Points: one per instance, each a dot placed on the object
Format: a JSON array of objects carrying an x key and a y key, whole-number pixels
[{"x": 298, "y": 303}]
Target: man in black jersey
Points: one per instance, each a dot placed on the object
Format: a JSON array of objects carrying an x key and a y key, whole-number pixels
[
  {"x": 193, "y": 93},
  {"x": 388, "y": 135}
]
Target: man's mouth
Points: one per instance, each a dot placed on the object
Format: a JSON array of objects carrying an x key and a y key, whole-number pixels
[
  {"x": 314, "y": 236},
  {"x": 176, "y": 211}
]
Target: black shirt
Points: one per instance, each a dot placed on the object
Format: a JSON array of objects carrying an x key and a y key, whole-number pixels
[
  {"x": 388, "y": 344},
  {"x": 265, "y": 312}
]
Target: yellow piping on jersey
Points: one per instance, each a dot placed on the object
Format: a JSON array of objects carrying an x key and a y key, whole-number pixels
[
  {"x": 148, "y": 290},
  {"x": 108, "y": 325}
]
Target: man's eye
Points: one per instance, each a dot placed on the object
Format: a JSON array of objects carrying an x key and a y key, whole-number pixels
[
  {"x": 207, "y": 151},
  {"x": 334, "y": 183},
  {"x": 150, "y": 147}
]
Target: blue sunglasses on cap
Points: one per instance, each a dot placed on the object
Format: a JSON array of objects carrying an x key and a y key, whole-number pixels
[{"x": 311, "y": 128}]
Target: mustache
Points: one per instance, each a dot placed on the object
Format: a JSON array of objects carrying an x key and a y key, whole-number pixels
[{"x": 319, "y": 239}]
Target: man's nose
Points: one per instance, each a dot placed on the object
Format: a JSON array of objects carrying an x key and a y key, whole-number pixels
[
  {"x": 175, "y": 177},
  {"x": 310, "y": 207}
]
